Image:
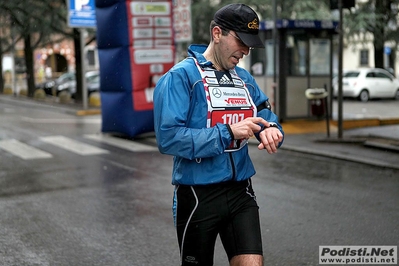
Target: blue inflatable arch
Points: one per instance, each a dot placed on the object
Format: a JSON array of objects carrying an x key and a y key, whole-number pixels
[{"x": 135, "y": 47}]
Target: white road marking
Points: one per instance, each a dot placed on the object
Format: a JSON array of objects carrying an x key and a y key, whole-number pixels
[
  {"x": 62, "y": 120},
  {"x": 73, "y": 145},
  {"x": 121, "y": 143},
  {"x": 23, "y": 150}
]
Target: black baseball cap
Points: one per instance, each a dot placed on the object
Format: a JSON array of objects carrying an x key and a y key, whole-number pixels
[{"x": 243, "y": 20}]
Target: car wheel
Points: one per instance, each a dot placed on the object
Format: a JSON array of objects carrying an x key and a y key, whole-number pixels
[
  {"x": 396, "y": 97},
  {"x": 364, "y": 96}
]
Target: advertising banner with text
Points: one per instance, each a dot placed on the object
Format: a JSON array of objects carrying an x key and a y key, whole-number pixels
[{"x": 136, "y": 47}]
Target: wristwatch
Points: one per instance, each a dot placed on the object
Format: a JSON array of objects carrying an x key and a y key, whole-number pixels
[{"x": 273, "y": 125}]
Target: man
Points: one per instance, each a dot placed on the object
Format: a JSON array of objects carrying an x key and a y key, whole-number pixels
[{"x": 205, "y": 110}]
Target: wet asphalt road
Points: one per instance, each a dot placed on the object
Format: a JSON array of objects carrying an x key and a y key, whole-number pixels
[{"x": 114, "y": 208}]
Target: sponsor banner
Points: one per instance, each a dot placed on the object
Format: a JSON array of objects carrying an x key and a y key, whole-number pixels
[
  {"x": 162, "y": 8},
  {"x": 358, "y": 255},
  {"x": 229, "y": 97},
  {"x": 150, "y": 25},
  {"x": 136, "y": 47},
  {"x": 182, "y": 20}
]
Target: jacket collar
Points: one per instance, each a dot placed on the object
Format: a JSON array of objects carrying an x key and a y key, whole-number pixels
[{"x": 196, "y": 51}]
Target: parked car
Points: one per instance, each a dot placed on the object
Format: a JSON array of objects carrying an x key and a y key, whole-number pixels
[
  {"x": 70, "y": 85},
  {"x": 367, "y": 83},
  {"x": 93, "y": 84},
  {"x": 47, "y": 86},
  {"x": 65, "y": 84},
  {"x": 50, "y": 86}
]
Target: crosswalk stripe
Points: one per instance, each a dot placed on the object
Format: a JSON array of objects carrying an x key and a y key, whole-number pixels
[
  {"x": 23, "y": 150},
  {"x": 73, "y": 145},
  {"x": 62, "y": 120},
  {"x": 121, "y": 143}
]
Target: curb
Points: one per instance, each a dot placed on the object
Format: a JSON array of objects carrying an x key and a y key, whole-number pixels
[
  {"x": 304, "y": 126},
  {"x": 88, "y": 112},
  {"x": 366, "y": 122},
  {"x": 327, "y": 154}
]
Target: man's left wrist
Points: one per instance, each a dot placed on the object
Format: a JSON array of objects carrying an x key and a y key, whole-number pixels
[{"x": 273, "y": 125}]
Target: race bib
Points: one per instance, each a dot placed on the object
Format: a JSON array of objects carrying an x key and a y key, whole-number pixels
[{"x": 228, "y": 100}]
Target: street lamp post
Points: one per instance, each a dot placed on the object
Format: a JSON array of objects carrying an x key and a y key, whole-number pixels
[
  {"x": 274, "y": 33},
  {"x": 340, "y": 58}
]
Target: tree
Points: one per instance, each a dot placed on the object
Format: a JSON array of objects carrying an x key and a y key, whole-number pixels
[
  {"x": 378, "y": 18},
  {"x": 305, "y": 9},
  {"x": 288, "y": 9},
  {"x": 34, "y": 22},
  {"x": 5, "y": 42}
]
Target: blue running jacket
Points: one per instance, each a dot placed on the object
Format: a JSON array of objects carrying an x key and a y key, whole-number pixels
[{"x": 180, "y": 122}]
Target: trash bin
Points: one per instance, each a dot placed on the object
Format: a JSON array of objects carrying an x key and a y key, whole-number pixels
[{"x": 316, "y": 97}]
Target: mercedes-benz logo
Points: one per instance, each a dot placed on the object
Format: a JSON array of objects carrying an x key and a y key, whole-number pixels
[{"x": 217, "y": 92}]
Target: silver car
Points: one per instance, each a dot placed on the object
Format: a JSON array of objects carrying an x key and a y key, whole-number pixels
[{"x": 70, "y": 84}]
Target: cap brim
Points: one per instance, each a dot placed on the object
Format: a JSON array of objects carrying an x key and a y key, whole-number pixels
[{"x": 251, "y": 40}]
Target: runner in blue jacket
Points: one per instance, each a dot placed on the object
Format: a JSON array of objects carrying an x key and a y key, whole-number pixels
[{"x": 205, "y": 110}]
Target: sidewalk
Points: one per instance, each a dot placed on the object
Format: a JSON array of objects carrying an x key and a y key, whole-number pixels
[
  {"x": 362, "y": 142},
  {"x": 373, "y": 141}
]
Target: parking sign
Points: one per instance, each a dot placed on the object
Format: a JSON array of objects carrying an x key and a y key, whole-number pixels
[{"x": 81, "y": 14}]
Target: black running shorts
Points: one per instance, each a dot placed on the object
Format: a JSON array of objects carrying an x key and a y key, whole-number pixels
[{"x": 228, "y": 209}]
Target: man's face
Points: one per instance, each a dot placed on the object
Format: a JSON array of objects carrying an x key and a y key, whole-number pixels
[{"x": 229, "y": 50}]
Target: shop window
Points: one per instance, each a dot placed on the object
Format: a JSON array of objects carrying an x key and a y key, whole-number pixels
[
  {"x": 269, "y": 48},
  {"x": 296, "y": 56},
  {"x": 319, "y": 56}
]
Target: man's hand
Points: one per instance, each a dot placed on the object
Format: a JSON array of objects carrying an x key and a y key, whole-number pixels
[
  {"x": 247, "y": 127},
  {"x": 270, "y": 138}
]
